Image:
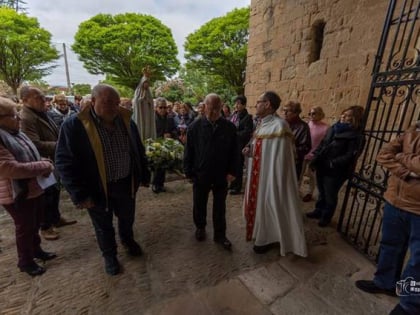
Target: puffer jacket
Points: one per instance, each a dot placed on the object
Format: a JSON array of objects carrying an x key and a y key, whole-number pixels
[
  {"x": 10, "y": 169},
  {"x": 338, "y": 152},
  {"x": 401, "y": 157}
]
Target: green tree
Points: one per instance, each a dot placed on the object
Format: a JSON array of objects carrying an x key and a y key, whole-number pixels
[
  {"x": 219, "y": 48},
  {"x": 40, "y": 84},
  {"x": 173, "y": 89},
  {"x": 198, "y": 83},
  {"x": 121, "y": 46},
  {"x": 26, "y": 52},
  {"x": 81, "y": 89},
  {"x": 17, "y": 5}
]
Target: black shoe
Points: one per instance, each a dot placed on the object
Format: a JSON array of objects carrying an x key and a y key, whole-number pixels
[
  {"x": 133, "y": 248},
  {"x": 370, "y": 287},
  {"x": 316, "y": 214},
  {"x": 235, "y": 192},
  {"x": 45, "y": 255},
  {"x": 162, "y": 189},
  {"x": 262, "y": 249},
  {"x": 324, "y": 222},
  {"x": 398, "y": 310},
  {"x": 155, "y": 189},
  {"x": 112, "y": 266},
  {"x": 265, "y": 248},
  {"x": 226, "y": 244},
  {"x": 200, "y": 234},
  {"x": 33, "y": 269}
]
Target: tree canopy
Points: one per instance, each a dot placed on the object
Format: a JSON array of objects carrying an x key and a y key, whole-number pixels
[
  {"x": 17, "y": 5},
  {"x": 26, "y": 52},
  {"x": 121, "y": 46},
  {"x": 219, "y": 48}
]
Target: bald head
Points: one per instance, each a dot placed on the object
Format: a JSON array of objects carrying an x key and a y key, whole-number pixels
[
  {"x": 7, "y": 106},
  {"x": 212, "y": 107},
  {"x": 34, "y": 98},
  {"x": 105, "y": 102}
]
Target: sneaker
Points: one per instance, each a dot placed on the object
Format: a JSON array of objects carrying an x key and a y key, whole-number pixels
[
  {"x": 370, "y": 287},
  {"x": 64, "y": 222},
  {"x": 50, "y": 234}
]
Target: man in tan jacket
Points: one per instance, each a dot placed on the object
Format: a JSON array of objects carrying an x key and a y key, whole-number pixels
[
  {"x": 44, "y": 134},
  {"x": 400, "y": 224}
]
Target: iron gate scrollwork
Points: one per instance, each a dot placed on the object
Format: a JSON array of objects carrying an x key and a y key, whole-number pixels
[{"x": 393, "y": 104}]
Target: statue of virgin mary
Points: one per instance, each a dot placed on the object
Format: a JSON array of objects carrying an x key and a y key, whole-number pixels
[{"x": 143, "y": 108}]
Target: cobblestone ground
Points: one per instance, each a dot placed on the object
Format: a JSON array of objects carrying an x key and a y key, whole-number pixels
[{"x": 174, "y": 262}]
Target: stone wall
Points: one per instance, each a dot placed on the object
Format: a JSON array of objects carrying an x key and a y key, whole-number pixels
[{"x": 281, "y": 46}]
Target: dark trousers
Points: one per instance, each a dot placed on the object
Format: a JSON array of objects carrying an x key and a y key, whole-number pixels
[
  {"x": 328, "y": 187},
  {"x": 26, "y": 215},
  {"x": 299, "y": 167},
  {"x": 237, "y": 183},
  {"x": 400, "y": 231},
  {"x": 122, "y": 205},
  {"x": 159, "y": 177},
  {"x": 201, "y": 192},
  {"x": 51, "y": 212}
]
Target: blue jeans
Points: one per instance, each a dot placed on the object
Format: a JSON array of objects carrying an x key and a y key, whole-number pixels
[
  {"x": 400, "y": 231},
  {"x": 328, "y": 187}
]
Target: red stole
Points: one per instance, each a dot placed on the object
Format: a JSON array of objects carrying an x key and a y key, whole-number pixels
[{"x": 251, "y": 201}]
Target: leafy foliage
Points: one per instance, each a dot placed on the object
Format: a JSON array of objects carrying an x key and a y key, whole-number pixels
[
  {"x": 26, "y": 52},
  {"x": 172, "y": 90},
  {"x": 17, "y": 5},
  {"x": 82, "y": 89},
  {"x": 219, "y": 48},
  {"x": 198, "y": 83},
  {"x": 164, "y": 153},
  {"x": 121, "y": 46}
]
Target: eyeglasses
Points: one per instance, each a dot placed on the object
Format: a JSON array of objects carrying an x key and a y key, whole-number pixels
[
  {"x": 312, "y": 113},
  {"x": 162, "y": 107}
]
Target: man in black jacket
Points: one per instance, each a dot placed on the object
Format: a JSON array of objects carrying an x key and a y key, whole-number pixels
[
  {"x": 165, "y": 128},
  {"x": 244, "y": 128},
  {"x": 102, "y": 162},
  {"x": 210, "y": 162}
]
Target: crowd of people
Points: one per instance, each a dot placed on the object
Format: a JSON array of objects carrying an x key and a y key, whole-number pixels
[{"x": 95, "y": 150}]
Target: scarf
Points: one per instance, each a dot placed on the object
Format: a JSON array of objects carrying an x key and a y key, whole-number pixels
[
  {"x": 23, "y": 153},
  {"x": 341, "y": 127}
]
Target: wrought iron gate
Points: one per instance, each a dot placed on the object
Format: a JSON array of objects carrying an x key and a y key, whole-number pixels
[{"x": 393, "y": 104}]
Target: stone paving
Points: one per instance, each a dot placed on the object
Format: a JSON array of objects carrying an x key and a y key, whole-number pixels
[{"x": 178, "y": 275}]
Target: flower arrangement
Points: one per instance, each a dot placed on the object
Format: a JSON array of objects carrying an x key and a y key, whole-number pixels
[{"x": 164, "y": 153}]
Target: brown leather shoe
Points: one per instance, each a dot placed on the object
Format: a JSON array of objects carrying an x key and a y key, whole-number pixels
[
  {"x": 50, "y": 234},
  {"x": 64, "y": 222}
]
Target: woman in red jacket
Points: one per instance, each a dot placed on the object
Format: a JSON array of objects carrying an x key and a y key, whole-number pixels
[{"x": 20, "y": 193}]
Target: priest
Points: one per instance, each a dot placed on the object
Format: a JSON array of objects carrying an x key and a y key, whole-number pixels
[{"x": 272, "y": 205}]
